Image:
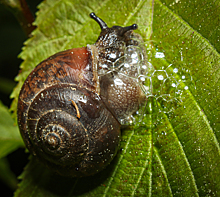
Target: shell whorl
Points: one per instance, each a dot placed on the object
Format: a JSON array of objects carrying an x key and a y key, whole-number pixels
[{"x": 48, "y": 117}]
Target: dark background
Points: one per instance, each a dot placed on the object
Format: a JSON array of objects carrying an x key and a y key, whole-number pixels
[{"x": 12, "y": 38}]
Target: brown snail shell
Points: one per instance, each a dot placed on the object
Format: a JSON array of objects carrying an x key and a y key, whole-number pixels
[{"x": 68, "y": 115}]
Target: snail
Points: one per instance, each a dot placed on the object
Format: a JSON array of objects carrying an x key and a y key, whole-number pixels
[{"x": 71, "y": 104}]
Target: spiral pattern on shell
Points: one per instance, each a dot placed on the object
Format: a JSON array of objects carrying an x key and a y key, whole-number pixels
[
  {"x": 71, "y": 105},
  {"x": 50, "y": 104}
]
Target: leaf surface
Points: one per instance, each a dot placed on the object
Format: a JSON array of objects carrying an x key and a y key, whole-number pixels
[
  {"x": 175, "y": 150},
  {"x": 10, "y": 138}
]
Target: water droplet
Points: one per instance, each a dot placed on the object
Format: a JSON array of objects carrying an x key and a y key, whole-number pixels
[
  {"x": 159, "y": 55},
  {"x": 175, "y": 70}
]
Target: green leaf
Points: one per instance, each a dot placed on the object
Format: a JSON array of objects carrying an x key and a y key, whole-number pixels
[
  {"x": 10, "y": 138},
  {"x": 175, "y": 150}
]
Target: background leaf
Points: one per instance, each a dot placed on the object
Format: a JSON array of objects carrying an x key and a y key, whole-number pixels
[
  {"x": 10, "y": 138},
  {"x": 174, "y": 151},
  {"x": 6, "y": 175}
]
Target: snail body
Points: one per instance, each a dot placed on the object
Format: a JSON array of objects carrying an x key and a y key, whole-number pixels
[{"x": 69, "y": 115}]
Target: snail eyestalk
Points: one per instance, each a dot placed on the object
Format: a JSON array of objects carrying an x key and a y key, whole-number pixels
[
  {"x": 129, "y": 28},
  {"x": 101, "y": 23}
]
